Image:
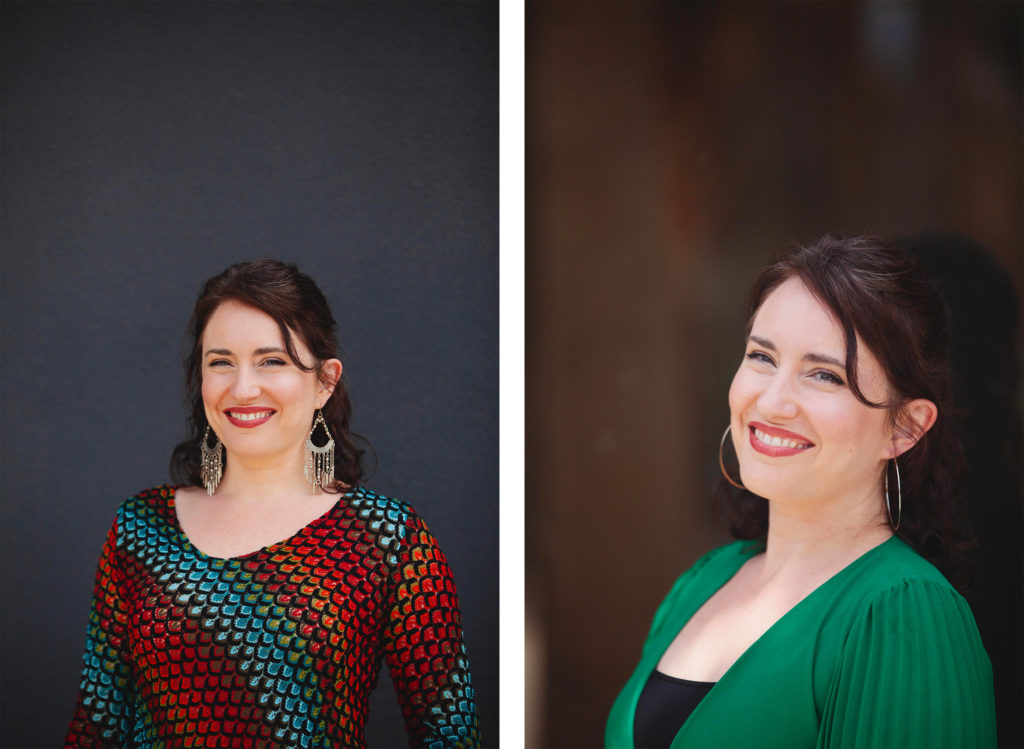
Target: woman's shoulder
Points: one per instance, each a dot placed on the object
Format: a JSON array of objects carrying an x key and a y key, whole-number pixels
[
  {"x": 701, "y": 579},
  {"x": 141, "y": 514},
  {"x": 384, "y": 515},
  {"x": 906, "y": 644},
  {"x": 371, "y": 505},
  {"x": 893, "y": 588},
  {"x": 714, "y": 567},
  {"x": 727, "y": 556},
  {"x": 156, "y": 500},
  {"x": 392, "y": 524},
  {"x": 369, "y": 501},
  {"x": 895, "y": 566}
]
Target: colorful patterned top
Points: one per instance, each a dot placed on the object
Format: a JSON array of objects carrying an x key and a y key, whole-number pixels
[{"x": 280, "y": 647}]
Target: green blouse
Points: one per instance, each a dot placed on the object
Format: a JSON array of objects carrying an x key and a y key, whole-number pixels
[{"x": 884, "y": 654}]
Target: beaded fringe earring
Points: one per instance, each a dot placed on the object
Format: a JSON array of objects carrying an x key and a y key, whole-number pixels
[
  {"x": 320, "y": 460},
  {"x": 211, "y": 470}
]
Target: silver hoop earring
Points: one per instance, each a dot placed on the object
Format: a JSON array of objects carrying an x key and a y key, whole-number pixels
[
  {"x": 899, "y": 496},
  {"x": 319, "y": 460},
  {"x": 721, "y": 463},
  {"x": 211, "y": 469}
]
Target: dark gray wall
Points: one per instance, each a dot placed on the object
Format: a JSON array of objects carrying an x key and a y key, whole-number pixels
[{"x": 146, "y": 146}]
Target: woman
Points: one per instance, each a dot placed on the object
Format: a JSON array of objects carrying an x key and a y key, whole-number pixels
[
  {"x": 250, "y": 604},
  {"x": 828, "y": 623}
]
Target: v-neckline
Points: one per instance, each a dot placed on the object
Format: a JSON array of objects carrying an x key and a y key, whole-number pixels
[
  {"x": 187, "y": 544},
  {"x": 744, "y": 556}
]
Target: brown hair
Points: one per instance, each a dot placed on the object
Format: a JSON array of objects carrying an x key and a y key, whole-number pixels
[
  {"x": 297, "y": 305},
  {"x": 879, "y": 293}
]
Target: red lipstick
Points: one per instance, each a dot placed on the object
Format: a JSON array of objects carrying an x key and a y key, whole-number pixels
[
  {"x": 778, "y": 435},
  {"x": 248, "y": 417}
]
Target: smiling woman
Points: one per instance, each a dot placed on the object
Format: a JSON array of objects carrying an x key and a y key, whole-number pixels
[
  {"x": 251, "y": 603},
  {"x": 795, "y": 375},
  {"x": 249, "y": 379},
  {"x": 829, "y": 623},
  {"x": 258, "y": 402}
]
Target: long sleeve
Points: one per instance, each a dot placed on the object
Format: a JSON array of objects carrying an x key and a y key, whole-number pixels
[
  {"x": 913, "y": 673},
  {"x": 423, "y": 645},
  {"x": 279, "y": 647},
  {"x": 103, "y": 711}
]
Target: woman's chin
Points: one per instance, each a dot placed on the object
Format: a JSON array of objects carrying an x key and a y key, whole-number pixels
[
  {"x": 768, "y": 484},
  {"x": 256, "y": 455}
]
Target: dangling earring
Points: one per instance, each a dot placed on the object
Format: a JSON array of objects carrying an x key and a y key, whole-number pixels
[
  {"x": 721, "y": 463},
  {"x": 319, "y": 460},
  {"x": 899, "y": 496},
  {"x": 211, "y": 470}
]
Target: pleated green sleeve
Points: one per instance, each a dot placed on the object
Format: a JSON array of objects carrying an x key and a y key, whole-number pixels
[{"x": 912, "y": 673}]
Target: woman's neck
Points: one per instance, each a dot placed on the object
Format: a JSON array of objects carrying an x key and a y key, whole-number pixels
[
  {"x": 260, "y": 481},
  {"x": 827, "y": 539}
]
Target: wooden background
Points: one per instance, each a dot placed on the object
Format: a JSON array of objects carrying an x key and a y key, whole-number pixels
[{"x": 672, "y": 149}]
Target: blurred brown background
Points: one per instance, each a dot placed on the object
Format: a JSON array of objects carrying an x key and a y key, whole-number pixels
[{"x": 672, "y": 149}]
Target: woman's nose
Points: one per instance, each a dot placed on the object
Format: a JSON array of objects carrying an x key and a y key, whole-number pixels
[
  {"x": 246, "y": 386},
  {"x": 777, "y": 400}
]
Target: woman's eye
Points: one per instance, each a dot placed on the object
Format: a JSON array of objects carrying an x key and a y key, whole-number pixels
[
  {"x": 220, "y": 363},
  {"x": 760, "y": 356},
  {"x": 274, "y": 363},
  {"x": 823, "y": 375}
]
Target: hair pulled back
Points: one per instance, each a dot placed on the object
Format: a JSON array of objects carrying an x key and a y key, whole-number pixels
[
  {"x": 298, "y": 307},
  {"x": 879, "y": 293}
]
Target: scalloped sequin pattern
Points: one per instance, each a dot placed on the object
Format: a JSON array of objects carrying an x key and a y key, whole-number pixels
[{"x": 277, "y": 648}]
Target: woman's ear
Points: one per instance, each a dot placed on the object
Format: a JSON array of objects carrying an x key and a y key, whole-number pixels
[
  {"x": 914, "y": 420},
  {"x": 330, "y": 373}
]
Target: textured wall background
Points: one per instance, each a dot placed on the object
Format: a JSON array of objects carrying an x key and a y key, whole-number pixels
[
  {"x": 672, "y": 149},
  {"x": 145, "y": 147}
]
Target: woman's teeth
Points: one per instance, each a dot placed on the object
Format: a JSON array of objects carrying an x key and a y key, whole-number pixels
[
  {"x": 779, "y": 441},
  {"x": 250, "y": 417}
]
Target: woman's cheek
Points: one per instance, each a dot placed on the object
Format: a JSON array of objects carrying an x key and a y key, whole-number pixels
[{"x": 739, "y": 392}]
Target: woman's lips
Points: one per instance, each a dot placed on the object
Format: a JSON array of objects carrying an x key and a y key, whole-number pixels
[
  {"x": 776, "y": 442},
  {"x": 248, "y": 417}
]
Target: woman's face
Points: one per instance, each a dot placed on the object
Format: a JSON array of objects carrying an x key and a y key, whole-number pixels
[
  {"x": 799, "y": 432},
  {"x": 258, "y": 402}
]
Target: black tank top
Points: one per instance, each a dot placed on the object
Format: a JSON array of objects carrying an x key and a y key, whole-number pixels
[{"x": 663, "y": 707}]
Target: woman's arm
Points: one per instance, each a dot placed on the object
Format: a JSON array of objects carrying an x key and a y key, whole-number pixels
[
  {"x": 102, "y": 715},
  {"x": 423, "y": 645},
  {"x": 913, "y": 673}
]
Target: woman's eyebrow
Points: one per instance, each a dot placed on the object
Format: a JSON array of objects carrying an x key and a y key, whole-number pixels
[
  {"x": 259, "y": 352},
  {"x": 822, "y": 359},
  {"x": 761, "y": 342},
  {"x": 816, "y": 358}
]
